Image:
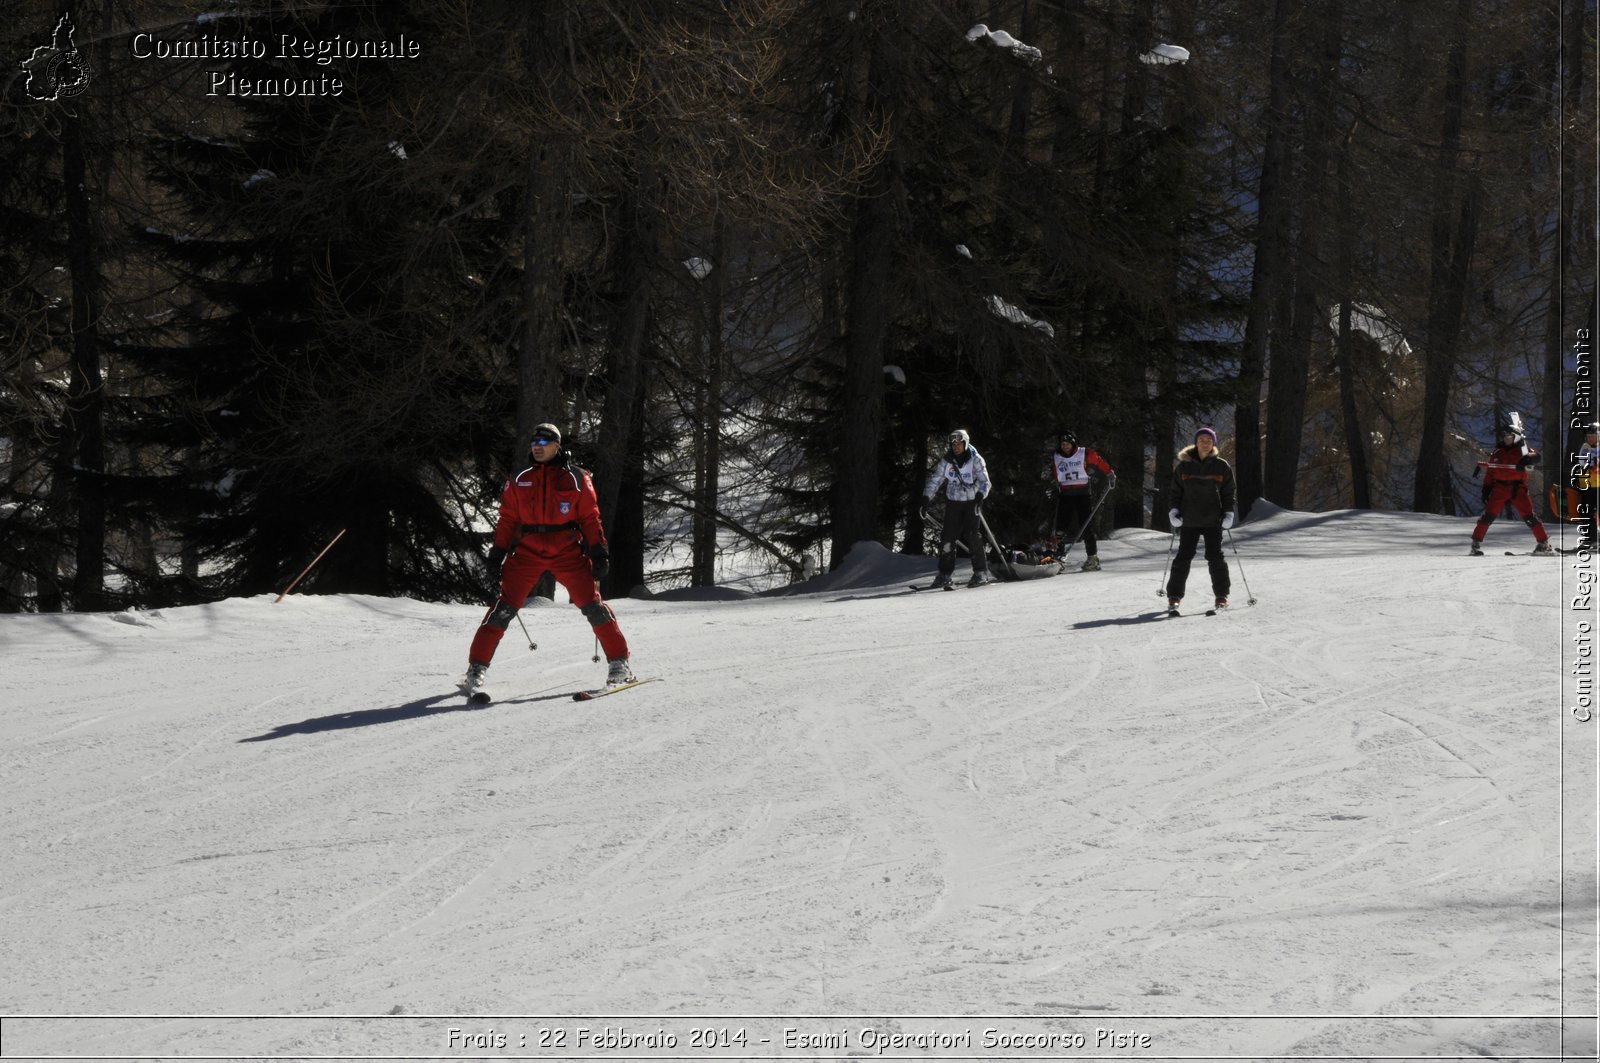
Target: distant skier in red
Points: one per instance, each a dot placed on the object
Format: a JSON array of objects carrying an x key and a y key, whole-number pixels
[
  {"x": 1505, "y": 482},
  {"x": 549, "y": 522}
]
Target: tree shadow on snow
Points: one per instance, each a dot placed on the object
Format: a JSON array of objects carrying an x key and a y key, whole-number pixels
[{"x": 340, "y": 721}]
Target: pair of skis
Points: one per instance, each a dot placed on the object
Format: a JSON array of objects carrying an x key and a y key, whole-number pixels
[
  {"x": 1555, "y": 551},
  {"x": 483, "y": 697}
]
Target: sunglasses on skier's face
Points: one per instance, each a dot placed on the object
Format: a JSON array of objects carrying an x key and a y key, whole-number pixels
[{"x": 542, "y": 441}]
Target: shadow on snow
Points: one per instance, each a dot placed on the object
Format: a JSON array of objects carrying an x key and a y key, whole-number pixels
[{"x": 340, "y": 721}]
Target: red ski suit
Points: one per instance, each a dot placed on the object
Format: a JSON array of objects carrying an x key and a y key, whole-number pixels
[
  {"x": 1505, "y": 482},
  {"x": 549, "y": 518}
]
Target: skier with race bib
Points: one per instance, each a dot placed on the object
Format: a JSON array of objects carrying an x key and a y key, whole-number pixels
[{"x": 1071, "y": 467}]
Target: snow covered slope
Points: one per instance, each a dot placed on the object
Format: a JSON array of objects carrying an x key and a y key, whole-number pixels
[{"x": 1356, "y": 819}]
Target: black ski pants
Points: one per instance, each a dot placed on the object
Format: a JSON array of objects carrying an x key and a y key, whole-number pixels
[
  {"x": 1072, "y": 515},
  {"x": 1188, "y": 539},
  {"x": 961, "y": 525}
]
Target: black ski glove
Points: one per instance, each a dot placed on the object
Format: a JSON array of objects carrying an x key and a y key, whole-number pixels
[
  {"x": 977, "y": 503},
  {"x": 1485, "y": 493},
  {"x": 926, "y": 508},
  {"x": 599, "y": 560},
  {"x": 1111, "y": 481},
  {"x": 497, "y": 557}
]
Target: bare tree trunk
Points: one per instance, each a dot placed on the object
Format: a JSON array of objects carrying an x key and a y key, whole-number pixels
[
  {"x": 1022, "y": 94},
  {"x": 1165, "y": 456},
  {"x": 1444, "y": 332},
  {"x": 855, "y": 489},
  {"x": 1291, "y": 360},
  {"x": 634, "y": 256},
  {"x": 83, "y": 458},
  {"x": 1355, "y": 441},
  {"x": 708, "y": 434},
  {"x": 1167, "y": 344},
  {"x": 627, "y": 516},
  {"x": 1130, "y": 437},
  {"x": 1454, "y": 227},
  {"x": 868, "y": 282},
  {"x": 539, "y": 395},
  {"x": 619, "y": 453},
  {"x": 1265, "y": 280}
]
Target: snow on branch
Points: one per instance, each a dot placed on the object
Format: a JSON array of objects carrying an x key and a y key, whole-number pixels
[
  {"x": 1010, "y": 313},
  {"x": 1371, "y": 321},
  {"x": 1165, "y": 55},
  {"x": 1002, "y": 39}
]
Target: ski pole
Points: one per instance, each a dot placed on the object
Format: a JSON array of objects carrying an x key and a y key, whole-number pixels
[
  {"x": 1061, "y": 562},
  {"x": 309, "y": 567},
  {"x": 1161, "y": 591},
  {"x": 1250, "y": 599},
  {"x": 1004, "y": 560},
  {"x": 531, "y": 644}
]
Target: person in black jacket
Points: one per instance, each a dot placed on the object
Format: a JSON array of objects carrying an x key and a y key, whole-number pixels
[{"x": 1202, "y": 507}]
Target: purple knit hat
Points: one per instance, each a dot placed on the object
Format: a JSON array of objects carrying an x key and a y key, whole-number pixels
[{"x": 1206, "y": 430}]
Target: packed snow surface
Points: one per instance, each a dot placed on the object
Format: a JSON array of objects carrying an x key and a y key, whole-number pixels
[{"x": 1356, "y": 818}]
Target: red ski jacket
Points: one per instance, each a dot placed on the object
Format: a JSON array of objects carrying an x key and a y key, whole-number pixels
[
  {"x": 547, "y": 508},
  {"x": 1508, "y": 465}
]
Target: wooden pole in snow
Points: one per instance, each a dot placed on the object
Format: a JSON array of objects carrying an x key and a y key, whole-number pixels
[{"x": 309, "y": 567}]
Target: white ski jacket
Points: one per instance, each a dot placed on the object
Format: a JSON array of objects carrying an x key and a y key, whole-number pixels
[{"x": 964, "y": 479}]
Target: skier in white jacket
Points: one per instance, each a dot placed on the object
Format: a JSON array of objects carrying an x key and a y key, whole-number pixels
[{"x": 966, "y": 484}]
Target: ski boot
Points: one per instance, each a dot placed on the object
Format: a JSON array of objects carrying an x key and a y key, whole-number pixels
[
  {"x": 1544, "y": 549},
  {"x": 618, "y": 673},
  {"x": 943, "y": 581},
  {"x": 1091, "y": 564},
  {"x": 1172, "y": 606},
  {"x": 1222, "y": 603},
  {"x": 472, "y": 683},
  {"x": 1477, "y": 550},
  {"x": 980, "y": 579}
]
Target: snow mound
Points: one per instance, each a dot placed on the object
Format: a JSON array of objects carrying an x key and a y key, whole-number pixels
[{"x": 868, "y": 564}]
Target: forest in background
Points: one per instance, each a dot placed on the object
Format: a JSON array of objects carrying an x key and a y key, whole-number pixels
[{"x": 757, "y": 258}]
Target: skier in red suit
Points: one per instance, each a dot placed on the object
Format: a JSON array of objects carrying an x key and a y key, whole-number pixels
[
  {"x": 1505, "y": 482},
  {"x": 549, "y": 522}
]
